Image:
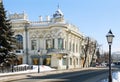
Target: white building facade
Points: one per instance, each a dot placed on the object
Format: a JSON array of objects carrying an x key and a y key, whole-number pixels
[{"x": 52, "y": 42}]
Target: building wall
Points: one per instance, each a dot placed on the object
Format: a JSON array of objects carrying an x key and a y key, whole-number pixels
[{"x": 56, "y": 28}]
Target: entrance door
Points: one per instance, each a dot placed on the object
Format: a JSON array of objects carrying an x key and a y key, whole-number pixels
[
  {"x": 47, "y": 61},
  {"x": 35, "y": 61}
]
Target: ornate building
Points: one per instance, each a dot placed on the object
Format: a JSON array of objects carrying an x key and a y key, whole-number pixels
[{"x": 53, "y": 41}]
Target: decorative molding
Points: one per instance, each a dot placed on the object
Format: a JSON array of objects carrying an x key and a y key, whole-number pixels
[
  {"x": 18, "y": 31},
  {"x": 16, "y": 16}
]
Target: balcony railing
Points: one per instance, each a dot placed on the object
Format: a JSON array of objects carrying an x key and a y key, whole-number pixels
[
  {"x": 51, "y": 50},
  {"x": 19, "y": 52}
]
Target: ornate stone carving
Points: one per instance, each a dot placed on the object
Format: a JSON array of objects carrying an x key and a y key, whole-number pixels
[
  {"x": 17, "y": 16},
  {"x": 48, "y": 36},
  {"x": 18, "y": 30}
]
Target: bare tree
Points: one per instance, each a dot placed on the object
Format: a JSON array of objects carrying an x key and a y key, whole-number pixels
[
  {"x": 85, "y": 50},
  {"x": 89, "y": 50},
  {"x": 93, "y": 52}
]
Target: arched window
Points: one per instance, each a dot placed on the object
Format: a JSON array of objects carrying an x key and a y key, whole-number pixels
[{"x": 19, "y": 40}]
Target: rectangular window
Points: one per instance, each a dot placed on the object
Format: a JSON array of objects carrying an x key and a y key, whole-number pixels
[
  {"x": 53, "y": 43},
  {"x": 60, "y": 43},
  {"x": 64, "y": 61},
  {"x": 33, "y": 44},
  {"x": 73, "y": 47},
  {"x": 66, "y": 45},
  {"x": 70, "y": 61},
  {"x": 49, "y": 43},
  {"x": 76, "y": 48},
  {"x": 70, "y": 46}
]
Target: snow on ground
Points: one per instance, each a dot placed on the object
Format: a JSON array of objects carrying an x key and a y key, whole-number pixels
[
  {"x": 115, "y": 77},
  {"x": 42, "y": 68}
]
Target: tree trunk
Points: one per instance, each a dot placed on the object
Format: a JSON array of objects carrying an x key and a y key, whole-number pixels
[
  {"x": 86, "y": 52},
  {"x": 91, "y": 63}
]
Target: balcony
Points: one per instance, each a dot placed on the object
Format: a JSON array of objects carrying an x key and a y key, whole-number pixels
[
  {"x": 49, "y": 51},
  {"x": 19, "y": 52}
]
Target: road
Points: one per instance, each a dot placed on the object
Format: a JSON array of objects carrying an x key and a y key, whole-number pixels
[
  {"x": 76, "y": 76},
  {"x": 89, "y": 77}
]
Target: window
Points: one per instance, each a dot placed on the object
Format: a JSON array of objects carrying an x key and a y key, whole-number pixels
[
  {"x": 70, "y": 46},
  {"x": 80, "y": 47},
  {"x": 33, "y": 45},
  {"x": 60, "y": 43},
  {"x": 73, "y": 47},
  {"x": 77, "y": 61},
  {"x": 76, "y": 48},
  {"x": 19, "y": 40},
  {"x": 49, "y": 43},
  {"x": 66, "y": 45},
  {"x": 70, "y": 61},
  {"x": 64, "y": 61}
]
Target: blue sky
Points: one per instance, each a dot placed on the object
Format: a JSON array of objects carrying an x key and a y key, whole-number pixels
[{"x": 93, "y": 17}]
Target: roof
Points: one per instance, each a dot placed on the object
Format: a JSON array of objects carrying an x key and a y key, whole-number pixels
[{"x": 58, "y": 13}]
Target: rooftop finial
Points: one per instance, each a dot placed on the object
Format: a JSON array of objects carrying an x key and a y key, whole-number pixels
[
  {"x": 58, "y": 6},
  {"x": 58, "y": 13}
]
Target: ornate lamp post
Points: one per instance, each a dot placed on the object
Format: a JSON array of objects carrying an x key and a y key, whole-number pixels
[
  {"x": 38, "y": 61},
  {"x": 109, "y": 37}
]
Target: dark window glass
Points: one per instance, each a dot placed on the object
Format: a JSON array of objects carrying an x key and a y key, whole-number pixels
[{"x": 19, "y": 40}]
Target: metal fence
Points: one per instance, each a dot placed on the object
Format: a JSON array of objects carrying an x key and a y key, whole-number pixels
[{"x": 15, "y": 69}]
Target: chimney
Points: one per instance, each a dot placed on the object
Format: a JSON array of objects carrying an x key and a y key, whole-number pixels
[{"x": 47, "y": 18}]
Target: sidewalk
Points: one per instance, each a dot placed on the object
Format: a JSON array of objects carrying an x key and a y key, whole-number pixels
[{"x": 18, "y": 76}]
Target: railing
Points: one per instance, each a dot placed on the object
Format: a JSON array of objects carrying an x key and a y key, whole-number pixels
[
  {"x": 55, "y": 50},
  {"x": 58, "y": 51},
  {"x": 38, "y": 23},
  {"x": 19, "y": 52},
  {"x": 15, "y": 69}
]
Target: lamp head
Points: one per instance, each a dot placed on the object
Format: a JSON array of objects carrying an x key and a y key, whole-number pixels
[{"x": 109, "y": 37}]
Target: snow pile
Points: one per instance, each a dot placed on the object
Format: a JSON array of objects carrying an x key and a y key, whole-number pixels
[
  {"x": 22, "y": 65},
  {"x": 115, "y": 77},
  {"x": 42, "y": 68}
]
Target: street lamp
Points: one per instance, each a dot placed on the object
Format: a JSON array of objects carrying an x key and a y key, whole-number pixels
[
  {"x": 109, "y": 37},
  {"x": 38, "y": 61}
]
